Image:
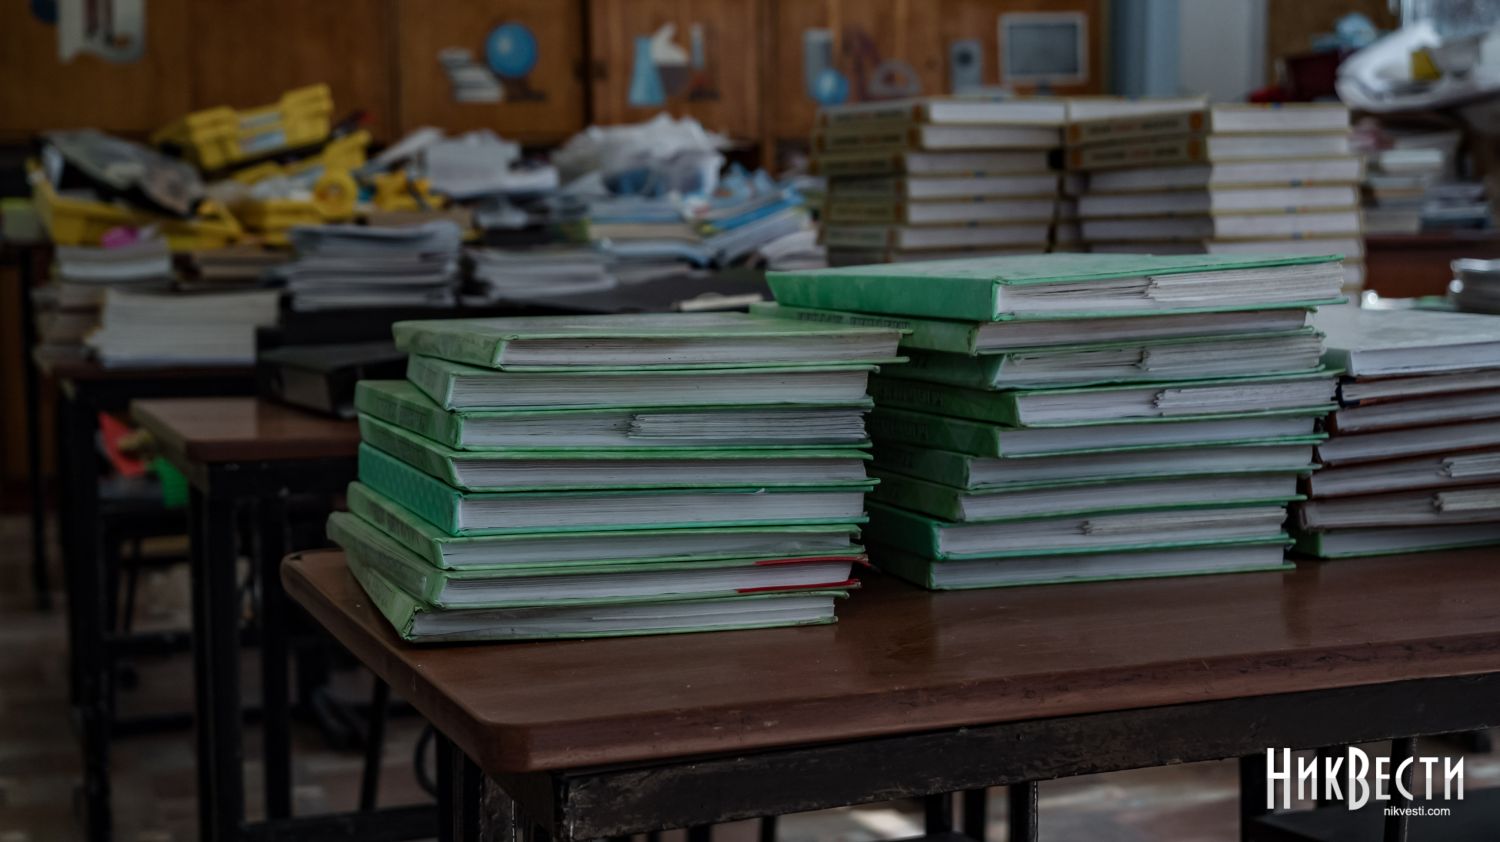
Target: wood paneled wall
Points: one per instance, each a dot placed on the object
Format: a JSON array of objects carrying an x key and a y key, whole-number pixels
[{"x": 1291, "y": 25}]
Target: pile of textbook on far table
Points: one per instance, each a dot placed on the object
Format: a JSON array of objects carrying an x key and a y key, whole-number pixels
[
  {"x": 612, "y": 475},
  {"x": 1413, "y": 462},
  {"x": 1071, "y": 417}
]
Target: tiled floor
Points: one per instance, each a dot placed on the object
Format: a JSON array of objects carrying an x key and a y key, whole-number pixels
[{"x": 153, "y": 776}]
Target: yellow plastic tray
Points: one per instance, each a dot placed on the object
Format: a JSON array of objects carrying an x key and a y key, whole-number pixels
[
  {"x": 84, "y": 222},
  {"x": 220, "y": 137},
  {"x": 334, "y": 199}
]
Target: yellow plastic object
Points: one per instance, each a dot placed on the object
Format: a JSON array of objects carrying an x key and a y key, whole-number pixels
[
  {"x": 342, "y": 153},
  {"x": 1423, "y": 68},
  {"x": 334, "y": 197},
  {"x": 220, "y": 137},
  {"x": 394, "y": 192},
  {"x": 84, "y": 222}
]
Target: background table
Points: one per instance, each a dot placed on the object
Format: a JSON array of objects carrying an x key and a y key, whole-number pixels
[{"x": 914, "y": 693}]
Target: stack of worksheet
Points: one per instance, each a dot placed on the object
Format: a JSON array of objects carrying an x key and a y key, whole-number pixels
[
  {"x": 347, "y": 266},
  {"x": 145, "y": 328},
  {"x": 611, "y": 475},
  {"x": 1069, "y": 417},
  {"x": 1179, "y": 177},
  {"x": 1413, "y": 460},
  {"x": 919, "y": 179}
]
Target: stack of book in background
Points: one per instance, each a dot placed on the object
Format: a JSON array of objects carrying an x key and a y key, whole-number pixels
[
  {"x": 345, "y": 266},
  {"x": 1413, "y": 462},
  {"x": 1414, "y": 182},
  {"x": 67, "y": 309},
  {"x": 175, "y": 329},
  {"x": 931, "y": 178},
  {"x": 611, "y": 475},
  {"x": 1084, "y": 416},
  {"x": 540, "y": 272},
  {"x": 1177, "y": 177}
]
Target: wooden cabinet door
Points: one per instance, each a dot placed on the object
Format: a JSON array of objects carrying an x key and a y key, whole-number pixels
[
  {"x": 832, "y": 51},
  {"x": 514, "y": 66},
  {"x": 248, "y": 52},
  {"x": 699, "y": 58},
  {"x": 40, "y": 91}
]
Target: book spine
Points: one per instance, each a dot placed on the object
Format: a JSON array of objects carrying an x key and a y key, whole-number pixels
[
  {"x": 431, "y": 380},
  {"x": 427, "y": 421},
  {"x": 1134, "y": 128},
  {"x": 994, "y": 407},
  {"x": 831, "y": 117},
  {"x": 934, "y": 431},
  {"x": 916, "y": 569},
  {"x": 416, "y": 580},
  {"x": 422, "y": 495},
  {"x": 917, "y": 496},
  {"x": 456, "y": 346},
  {"x": 856, "y": 165},
  {"x": 952, "y": 369},
  {"x": 937, "y": 466},
  {"x": 1177, "y": 150},
  {"x": 877, "y": 294},
  {"x": 396, "y": 605},
  {"x": 855, "y": 211},
  {"x": 392, "y": 523},
  {"x": 412, "y": 453}
]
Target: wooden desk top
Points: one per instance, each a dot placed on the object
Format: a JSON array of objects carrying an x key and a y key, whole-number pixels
[
  {"x": 902, "y": 660},
  {"x": 212, "y": 430}
]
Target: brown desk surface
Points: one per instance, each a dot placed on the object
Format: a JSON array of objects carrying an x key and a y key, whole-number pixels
[
  {"x": 207, "y": 430},
  {"x": 902, "y": 660}
]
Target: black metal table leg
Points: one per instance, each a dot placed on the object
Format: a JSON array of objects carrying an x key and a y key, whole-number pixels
[
  {"x": 92, "y": 669},
  {"x": 369, "y": 784},
  {"x": 1397, "y": 821},
  {"x": 976, "y": 813},
  {"x": 31, "y": 396},
  {"x": 1023, "y": 812},
  {"x": 1252, "y": 792},
  {"x": 275, "y": 692},
  {"x": 216, "y": 641},
  {"x": 460, "y": 785},
  {"x": 938, "y": 813}
]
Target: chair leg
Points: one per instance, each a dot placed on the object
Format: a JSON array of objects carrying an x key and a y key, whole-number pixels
[
  {"x": 132, "y": 582},
  {"x": 768, "y": 829},
  {"x": 369, "y": 783}
]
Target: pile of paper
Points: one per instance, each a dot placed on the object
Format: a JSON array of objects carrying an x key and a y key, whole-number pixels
[
  {"x": 612, "y": 475},
  {"x": 1181, "y": 177},
  {"x": 938, "y": 177},
  {"x": 1071, "y": 417},
  {"x": 166, "y": 329},
  {"x": 67, "y": 309},
  {"x": 346, "y": 266},
  {"x": 1413, "y": 459}
]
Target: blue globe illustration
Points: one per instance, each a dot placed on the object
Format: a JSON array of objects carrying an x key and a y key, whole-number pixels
[
  {"x": 830, "y": 87},
  {"x": 510, "y": 50}
]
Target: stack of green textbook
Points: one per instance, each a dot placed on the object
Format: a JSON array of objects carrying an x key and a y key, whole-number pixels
[
  {"x": 1071, "y": 417},
  {"x": 612, "y": 475}
]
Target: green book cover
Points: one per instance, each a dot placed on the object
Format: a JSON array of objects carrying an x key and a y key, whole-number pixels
[
  {"x": 438, "y": 503},
  {"x": 680, "y": 340},
  {"x": 972, "y": 289},
  {"x": 945, "y": 502},
  {"x": 436, "y": 378},
  {"x": 924, "y": 334},
  {"x": 920, "y": 571},
  {"x": 438, "y": 461},
  {"x": 430, "y": 543},
  {"x": 921, "y": 534},
  {"x": 1312, "y": 543},
  {"x": 1004, "y": 407},
  {"x": 429, "y": 584},
  {"x": 402, "y": 404},
  {"x": 984, "y": 438},
  {"x": 402, "y": 610}
]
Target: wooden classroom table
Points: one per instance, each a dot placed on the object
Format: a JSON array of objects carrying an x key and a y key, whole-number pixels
[
  {"x": 84, "y": 389},
  {"x": 913, "y": 693},
  {"x": 235, "y": 451}
]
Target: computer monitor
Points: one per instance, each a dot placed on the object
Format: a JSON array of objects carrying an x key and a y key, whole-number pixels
[{"x": 1044, "y": 48}]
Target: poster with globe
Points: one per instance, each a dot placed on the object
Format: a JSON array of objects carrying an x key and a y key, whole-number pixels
[{"x": 499, "y": 71}]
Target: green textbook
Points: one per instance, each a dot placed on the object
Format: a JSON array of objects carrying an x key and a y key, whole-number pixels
[
  {"x": 584, "y": 547},
  {"x": 400, "y": 403},
  {"x": 517, "y": 586},
  {"x": 418, "y": 621},
  {"x": 985, "y": 438},
  {"x": 642, "y": 340},
  {"x": 472, "y": 513},
  {"x": 565, "y": 469},
  {"x": 1065, "y": 285}
]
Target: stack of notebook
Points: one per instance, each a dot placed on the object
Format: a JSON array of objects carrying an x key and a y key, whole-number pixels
[
  {"x": 1179, "y": 177},
  {"x": 1413, "y": 459},
  {"x": 919, "y": 179},
  {"x": 347, "y": 266},
  {"x": 612, "y": 475},
  {"x": 1071, "y": 417}
]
